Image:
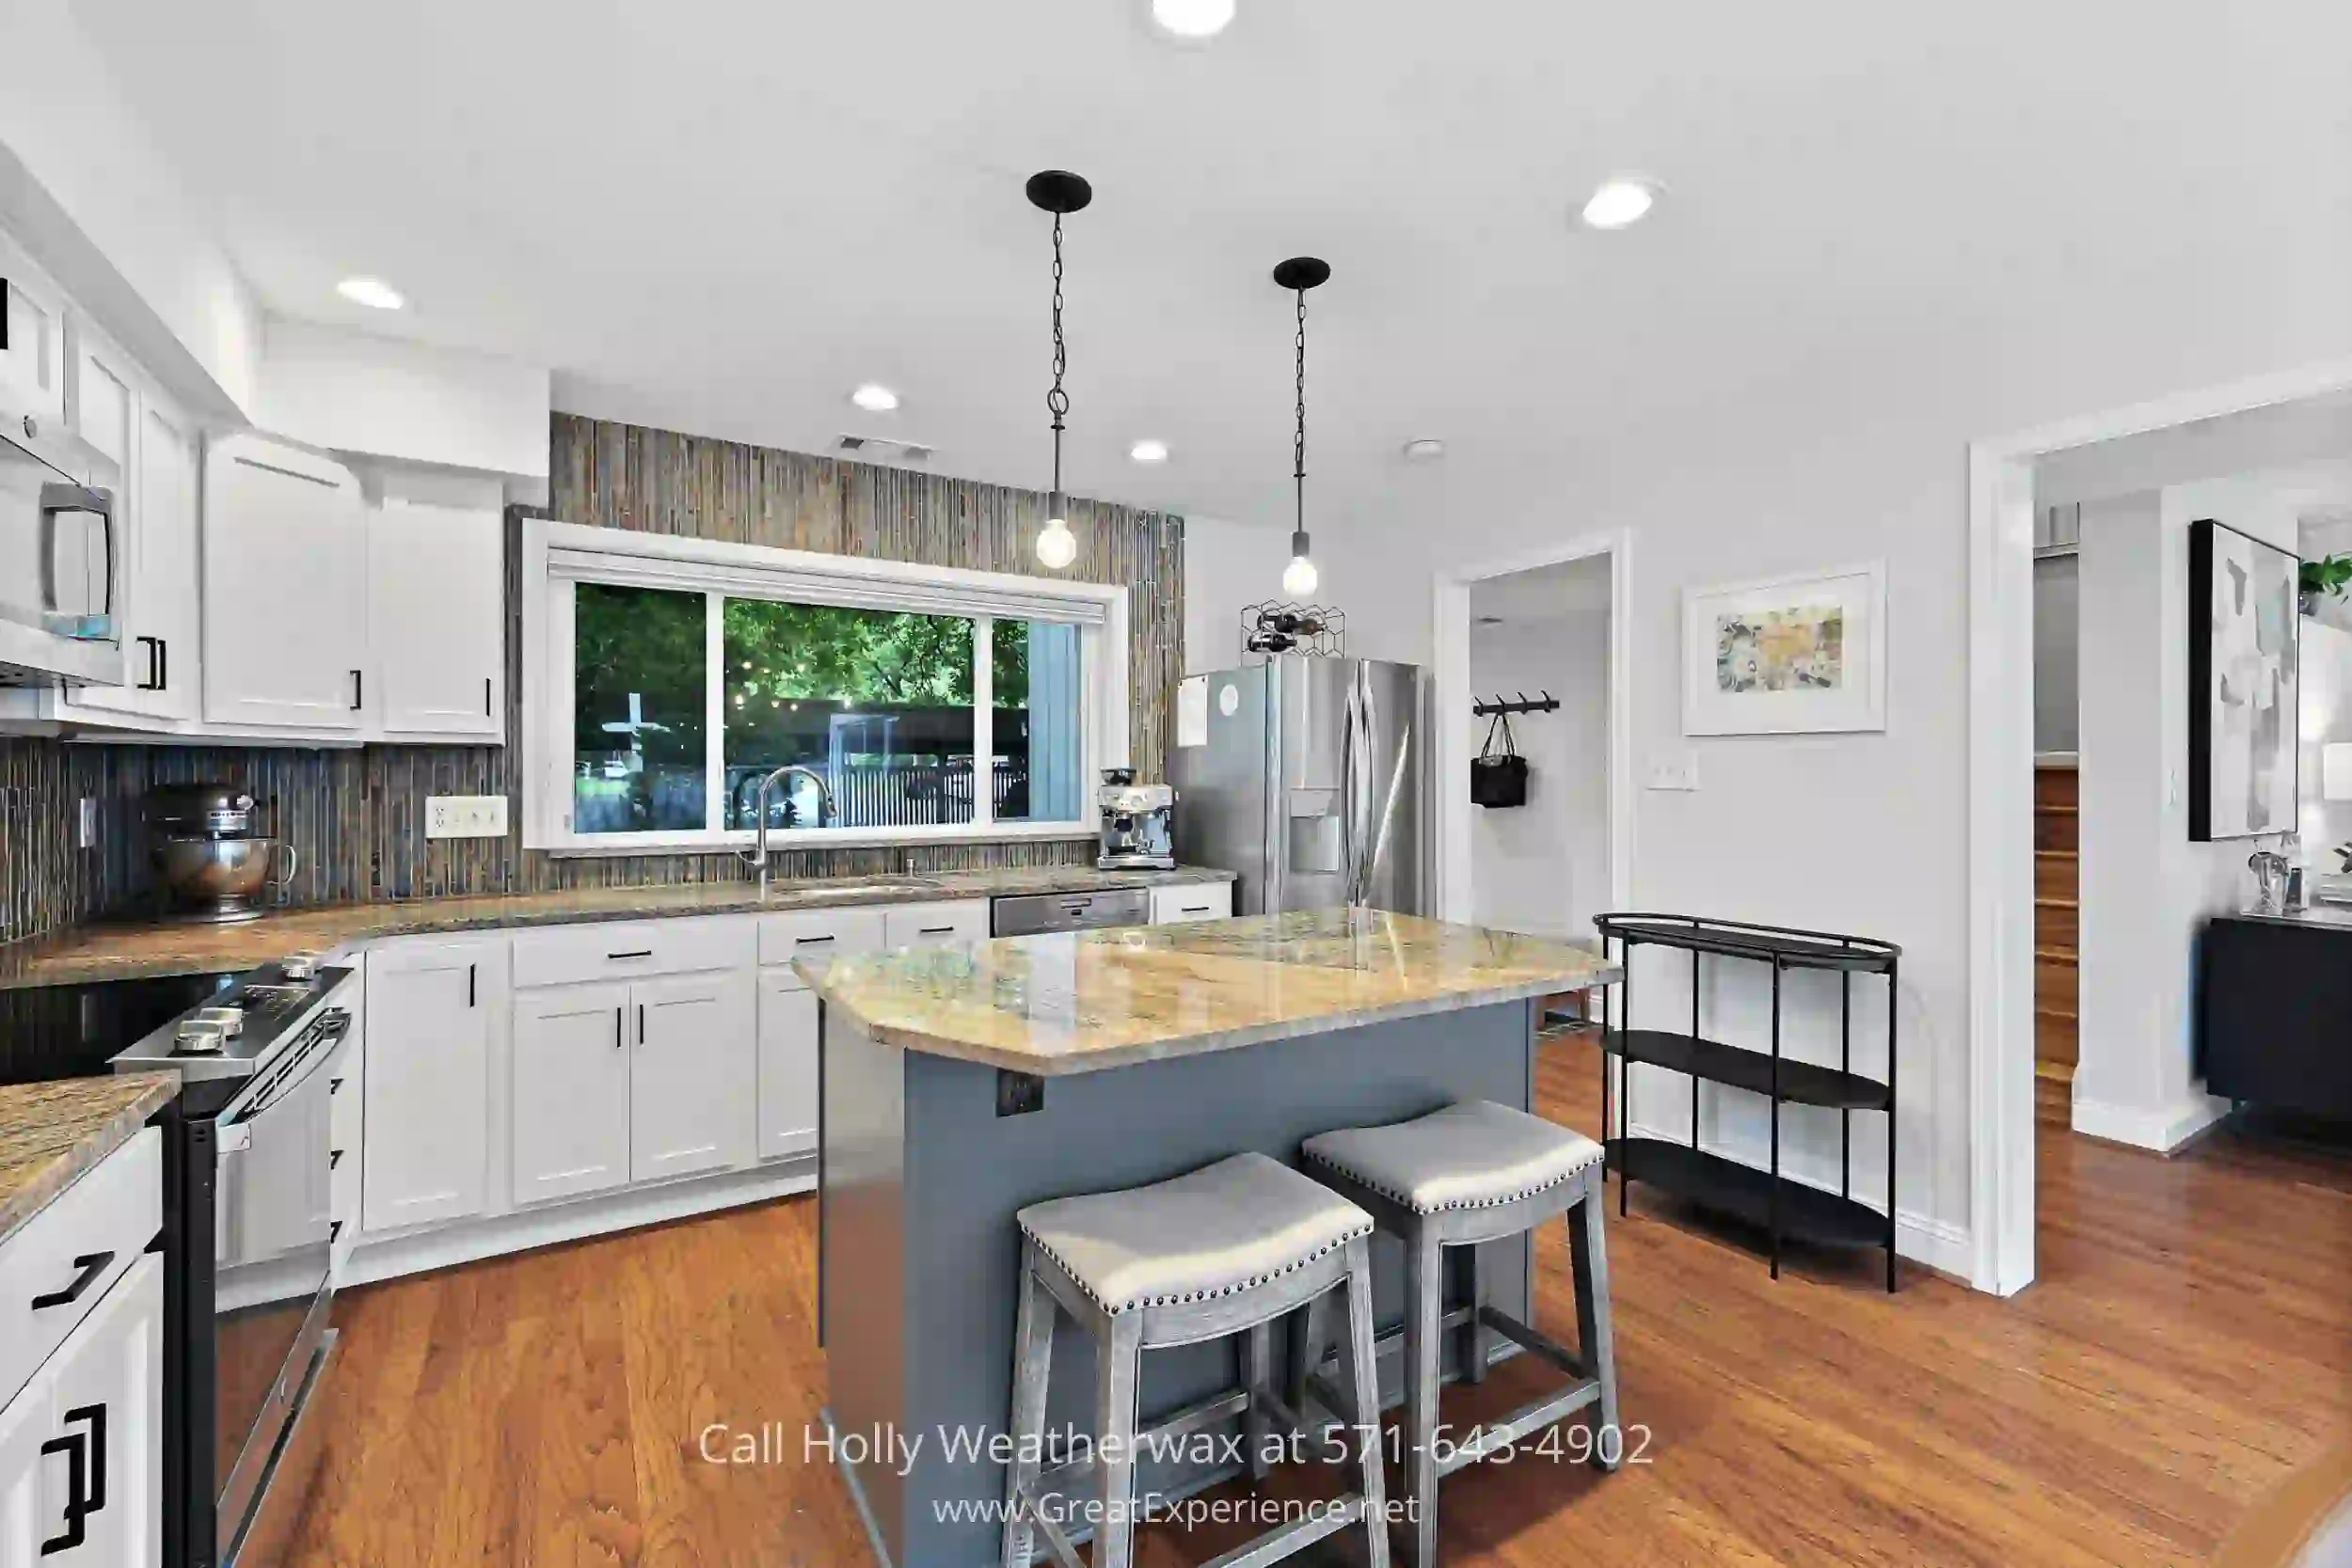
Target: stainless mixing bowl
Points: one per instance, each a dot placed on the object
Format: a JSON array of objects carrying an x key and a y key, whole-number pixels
[{"x": 220, "y": 879}]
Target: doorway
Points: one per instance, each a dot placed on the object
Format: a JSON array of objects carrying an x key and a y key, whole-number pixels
[{"x": 1550, "y": 624}]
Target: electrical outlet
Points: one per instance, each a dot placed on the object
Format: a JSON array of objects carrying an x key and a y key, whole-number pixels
[
  {"x": 86, "y": 824},
  {"x": 1674, "y": 771},
  {"x": 465, "y": 816}
]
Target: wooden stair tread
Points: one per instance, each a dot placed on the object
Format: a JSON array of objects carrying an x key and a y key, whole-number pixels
[
  {"x": 2062, "y": 954},
  {"x": 2044, "y": 809},
  {"x": 2058, "y": 854},
  {"x": 2041, "y": 1009}
]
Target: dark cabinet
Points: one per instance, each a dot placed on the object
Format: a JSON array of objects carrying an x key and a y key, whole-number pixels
[{"x": 2274, "y": 1011}]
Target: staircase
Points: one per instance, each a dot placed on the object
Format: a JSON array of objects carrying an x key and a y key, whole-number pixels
[{"x": 2057, "y": 920}]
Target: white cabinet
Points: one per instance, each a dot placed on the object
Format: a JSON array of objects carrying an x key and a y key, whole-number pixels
[
  {"x": 571, "y": 1091},
  {"x": 32, "y": 363},
  {"x": 436, "y": 618},
  {"x": 81, "y": 1447},
  {"x": 692, "y": 1081},
  {"x": 935, "y": 925},
  {"x": 433, "y": 1009},
  {"x": 787, "y": 1065},
  {"x": 157, "y": 509},
  {"x": 285, "y": 588},
  {"x": 1191, "y": 901}
]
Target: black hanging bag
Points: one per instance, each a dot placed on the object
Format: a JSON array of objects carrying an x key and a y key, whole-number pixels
[{"x": 1499, "y": 778}]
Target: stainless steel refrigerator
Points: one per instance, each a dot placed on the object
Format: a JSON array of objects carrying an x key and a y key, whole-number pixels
[{"x": 1304, "y": 777}]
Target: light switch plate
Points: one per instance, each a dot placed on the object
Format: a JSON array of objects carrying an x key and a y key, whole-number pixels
[
  {"x": 86, "y": 824},
  {"x": 1674, "y": 771},
  {"x": 465, "y": 816}
]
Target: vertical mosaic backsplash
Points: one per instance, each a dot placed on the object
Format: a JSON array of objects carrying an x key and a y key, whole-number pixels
[{"x": 356, "y": 817}]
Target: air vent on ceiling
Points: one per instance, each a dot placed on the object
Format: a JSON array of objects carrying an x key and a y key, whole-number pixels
[{"x": 880, "y": 449}]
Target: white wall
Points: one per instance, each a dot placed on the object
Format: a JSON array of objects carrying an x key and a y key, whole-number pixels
[
  {"x": 2146, "y": 890},
  {"x": 1228, "y": 565},
  {"x": 91, "y": 193},
  {"x": 1543, "y": 866},
  {"x": 385, "y": 397}
]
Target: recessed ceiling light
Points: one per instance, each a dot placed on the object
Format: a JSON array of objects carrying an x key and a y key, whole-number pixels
[
  {"x": 373, "y": 293},
  {"x": 874, "y": 399},
  {"x": 1622, "y": 201},
  {"x": 1426, "y": 450},
  {"x": 1192, "y": 19},
  {"x": 1148, "y": 452}
]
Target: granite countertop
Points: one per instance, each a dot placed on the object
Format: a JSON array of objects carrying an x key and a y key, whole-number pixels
[
  {"x": 125, "y": 951},
  {"x": 1082, "y": 1001},
  {"x": 52, "y": 1133}
]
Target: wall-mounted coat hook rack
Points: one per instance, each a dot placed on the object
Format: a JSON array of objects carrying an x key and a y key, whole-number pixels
[{"x": 1521, "y": 703}]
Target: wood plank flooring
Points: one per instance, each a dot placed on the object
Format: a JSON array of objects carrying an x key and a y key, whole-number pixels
[{"x": 2188, "y": 1346}]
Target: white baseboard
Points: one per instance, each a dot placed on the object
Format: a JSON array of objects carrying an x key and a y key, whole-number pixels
[
  {"x": 469, "y": 1240},
  {"x": 1940, "y": 1244},
  {"x": 2163, "y": 1131}
]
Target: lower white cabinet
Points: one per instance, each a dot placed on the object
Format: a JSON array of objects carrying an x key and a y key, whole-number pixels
[
  {"x": 1191, "y": 901},
  {"x": 433, "y": 1007},
  {"x": 935, "y": 925},
  {"x": 571, "y": 1102},
  {"x": 81, "y": 1446},
  {"x": 692, "y": 1079},
  {"x": 787, "y": 1065}
]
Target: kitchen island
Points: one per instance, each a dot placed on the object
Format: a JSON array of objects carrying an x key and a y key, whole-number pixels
[{"x": 962, "y": 1084}]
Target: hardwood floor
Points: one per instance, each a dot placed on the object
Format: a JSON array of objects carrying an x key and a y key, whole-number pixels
[{"x": 2188, "y": 1346}]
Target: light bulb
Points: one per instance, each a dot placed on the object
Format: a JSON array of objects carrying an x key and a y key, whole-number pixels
[
  {"x": 1298, "y": 578},
  {"x": 1056, "y": 546},
  {"x": 1192, "y": 19},
  {"x": 1621, "y": 202}
]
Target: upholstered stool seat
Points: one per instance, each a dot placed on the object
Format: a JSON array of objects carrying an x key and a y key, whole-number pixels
[
  {"x": 1473, "y": 1155},
  {"x": 1472, "y": 1173},
  {"x": 1222, "y": 1251},
  {"x": 1224, "y": 1228}
]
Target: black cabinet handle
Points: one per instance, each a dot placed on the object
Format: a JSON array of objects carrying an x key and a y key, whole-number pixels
[
  {"x": 86, "y": 1475},
  {"x": 155, "y": 681},
  {"x": 334, "y": 1086},
  {"x": 359, "y": 690},
  {"x": 470, "y": 992},
  {"x": 935, "y": 931},
  {"x": 334, "y": 1157},
  {"x": 641, "y": 1023},
  {"x": 162, "y": 658},
  {"x": 334, "y": 1231},
  {"x": 633, "y": 953},
  {"x": 810, "y": 942},
  {"x": 486, "y": 696},
  {"x": 92, "y": 1264},
  {"x": 618, "y": 1027}
]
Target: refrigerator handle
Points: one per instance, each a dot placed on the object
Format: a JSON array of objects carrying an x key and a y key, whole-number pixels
[{"x": 1355, "y": 785}]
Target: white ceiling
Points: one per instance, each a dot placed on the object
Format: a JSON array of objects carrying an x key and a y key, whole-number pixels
[{"x": 721, "y": 217}]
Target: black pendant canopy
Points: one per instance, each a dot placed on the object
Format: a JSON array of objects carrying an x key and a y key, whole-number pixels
[
  {"x": 1057, "y": 190},
  {"x": 1299, "y": 272}
]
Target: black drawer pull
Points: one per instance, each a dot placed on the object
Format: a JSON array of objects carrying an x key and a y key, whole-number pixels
[
  {"x": 810, "y": 942},
  {"x": 334, "y": 1157},
  {"x": 334, "y": 1231},
  {"x": 935, "y": 931},
  {"x": 640, "y": 953},
  {"x": 86, "y": 1475},
  {"x": 92, "y": 1264}
]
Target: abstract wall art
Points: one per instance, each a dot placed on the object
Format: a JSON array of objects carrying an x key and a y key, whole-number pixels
[
  {"x": 2244, "y": 678},
  {"x": 1785, "y": 656}
]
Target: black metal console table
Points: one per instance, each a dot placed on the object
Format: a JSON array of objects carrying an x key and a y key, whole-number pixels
[{"x": 1765, "y": 1198}]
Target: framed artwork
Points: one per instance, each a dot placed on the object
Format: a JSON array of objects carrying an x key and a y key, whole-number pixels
[
  {"x": 2245, "y": 677},
  {"x": 1786, "y": 656}
]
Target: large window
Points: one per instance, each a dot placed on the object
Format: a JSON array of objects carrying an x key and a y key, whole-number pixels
[{"x": 685, "y": 674}]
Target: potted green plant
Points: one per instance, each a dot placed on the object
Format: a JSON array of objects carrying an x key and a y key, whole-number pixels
[{"x": 2331, "y": 575}]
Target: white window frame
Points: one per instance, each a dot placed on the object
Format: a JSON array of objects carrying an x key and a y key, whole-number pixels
[{"x": 557, "y": 556}]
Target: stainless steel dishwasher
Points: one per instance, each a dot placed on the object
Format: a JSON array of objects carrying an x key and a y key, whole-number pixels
[{"x": 1068, "y": 912}]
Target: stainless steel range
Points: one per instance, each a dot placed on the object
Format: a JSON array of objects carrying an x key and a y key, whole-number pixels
[{"x": 248, "y": 1215}]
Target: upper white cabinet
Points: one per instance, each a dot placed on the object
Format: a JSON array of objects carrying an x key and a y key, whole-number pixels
[
  {"x": 286, "y": 588},
  {"x": 31, "y": 359},
  {"x": 432, "y": 1012},
  {"x": 436, "y": 616}
]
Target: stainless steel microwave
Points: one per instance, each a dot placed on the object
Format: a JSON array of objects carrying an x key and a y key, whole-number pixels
[{"x": 60, "y": 558}]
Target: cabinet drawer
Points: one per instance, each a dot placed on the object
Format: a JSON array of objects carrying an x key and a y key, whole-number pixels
[
  {"x": 1194, "y": 901},
  {"x": 928, "y": 924},
  {"x": 621, "y": 950},
  {"x": 818, "y": 933},
  {"x": 69, "y": 1256}
]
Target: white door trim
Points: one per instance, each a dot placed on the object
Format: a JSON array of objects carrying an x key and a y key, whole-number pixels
[
  {"x": 1453, "y": 723},
  {"x": 2000, "y": 793}
]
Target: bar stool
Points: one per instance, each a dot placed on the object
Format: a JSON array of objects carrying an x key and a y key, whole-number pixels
[
  {"x": 1477, "y": 1172},
  {"x": 1224, "y": 1250}
]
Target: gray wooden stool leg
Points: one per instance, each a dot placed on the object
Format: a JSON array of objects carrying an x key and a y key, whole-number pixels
[
  {"x": 1588, "y": 1254},
  {"x": 1473, "y": 1350},
  {"x": 1362, "y": 1375},
  {"x": 1119, "y": 1365},
  {"x": 1424, "y": 1306},
  {"x": 1032, "y": 1365},
  {"x": 1257, "y": 1376}
]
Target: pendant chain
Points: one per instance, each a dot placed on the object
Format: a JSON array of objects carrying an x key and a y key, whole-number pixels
[
  {"x": 1298, "y": 443},
  {"x": 1057, "y": 401}
]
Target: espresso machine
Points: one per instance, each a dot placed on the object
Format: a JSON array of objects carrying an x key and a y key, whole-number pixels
[{"x": 1138, "y": 823}]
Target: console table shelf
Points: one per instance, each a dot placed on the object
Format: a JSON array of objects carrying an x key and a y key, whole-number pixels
[{"x": 1767, "y": 1196}]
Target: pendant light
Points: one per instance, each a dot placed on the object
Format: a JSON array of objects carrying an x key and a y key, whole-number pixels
[
  {"x": 1058, "y": 192},
  {"x": 1298, "y": 275}
]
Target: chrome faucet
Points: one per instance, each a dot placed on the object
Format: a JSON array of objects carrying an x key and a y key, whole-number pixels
[{"x": 758, "y": 857}]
